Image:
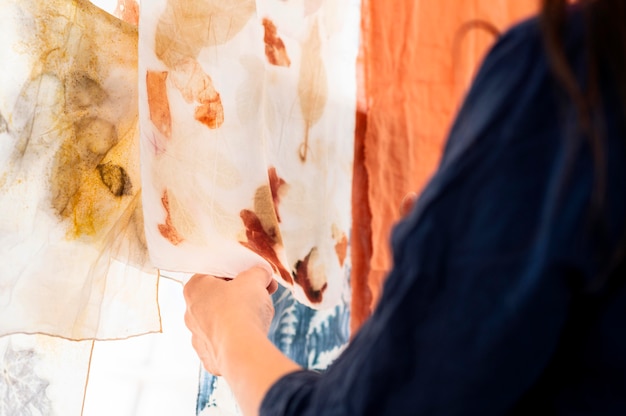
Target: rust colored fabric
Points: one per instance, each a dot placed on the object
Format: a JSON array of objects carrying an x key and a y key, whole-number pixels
[{"x": 419, "y": 58}]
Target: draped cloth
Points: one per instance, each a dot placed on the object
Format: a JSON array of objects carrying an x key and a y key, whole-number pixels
[
  {"x": 72, "y": 251},
  {"x": 247, "y": 125},
  {"x": 246, "y": 121},
  {"x": 417, "y": 59},
  {"x": 218, "y": 136}
]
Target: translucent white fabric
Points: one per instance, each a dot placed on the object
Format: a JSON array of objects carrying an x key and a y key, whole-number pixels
[{"x": 247, "y": 124}]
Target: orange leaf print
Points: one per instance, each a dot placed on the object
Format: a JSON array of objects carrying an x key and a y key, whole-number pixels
[
  {"x": 128, "y": 11},
  {"x": 274, "y": 47},
  {"x": 168, "y": 230},
  {"x": 210, "y": 112},
  {"x": 341, "y": 248},
  {"x": 158, "y": 102},
  {"x": 196, "y": 86}
]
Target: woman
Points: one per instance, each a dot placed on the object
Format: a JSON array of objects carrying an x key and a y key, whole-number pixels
[{"x": 507, "y": 292}]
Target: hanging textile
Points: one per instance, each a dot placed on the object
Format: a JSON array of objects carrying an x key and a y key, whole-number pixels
[
  {"x": 72, "y": 253},
  {"x": 71, "y": 241},
  {"x": 247, "y": 154},
  {"x": 417, "y": 59},
  {"x": 247, "y": 126},
  {"x": 247, "y": 123}
]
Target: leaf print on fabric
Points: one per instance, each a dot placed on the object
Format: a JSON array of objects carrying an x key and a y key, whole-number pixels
[
  {"x": 75, "y": 195},
  {"x": 158, "y": 103},
  {"x": 277, "y": 187},
  {"x": 274, "y": 47},
  {"x": 312, "y": 85},
  {"x": 168, "y": 230},
  {"x": 266, "y": 210},
  {"x": 115, "y": 178},
  {"x": 187, "y": 26},
  {"x": 308, "y": 274},
  {"x": 262, "y": 243},
  {"x": 341, "y": 244},
  {"x": 22, "y": 391},
  {"x": 128, "y": 11},
  {"x": 196, "y": 86}
]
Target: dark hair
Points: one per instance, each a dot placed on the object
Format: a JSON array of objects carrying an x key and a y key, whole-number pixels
[{"x": 605, "y": 44}]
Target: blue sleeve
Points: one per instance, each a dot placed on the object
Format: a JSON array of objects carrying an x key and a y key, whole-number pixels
[{"x": 479, "y": 293}]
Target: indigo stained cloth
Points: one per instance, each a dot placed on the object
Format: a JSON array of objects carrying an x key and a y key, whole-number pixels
[{"x": 483, "y": 312}]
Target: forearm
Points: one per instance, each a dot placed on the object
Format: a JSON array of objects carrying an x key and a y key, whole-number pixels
[{"x": 252, "y": 364}]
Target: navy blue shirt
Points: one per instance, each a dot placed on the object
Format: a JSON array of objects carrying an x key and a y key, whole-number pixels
[{"x": 484, "y": 312}]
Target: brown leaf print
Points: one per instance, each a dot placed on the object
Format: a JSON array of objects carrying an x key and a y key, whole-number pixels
[
  {"x": 265, "y": 210},
  {"x": 304, "y": 276},
  {"x": 262, "y": 243},
  {"x": 188, "y": 26},
  {"x": 158, "y": 102},
  {"x": 115, "y": 178},
  {"x": 276, "y": 185},
  {"x": 168, "y": 230},
  {"x": 196, "y": 86},
  {"x": 312, "y": 85},
  {"x": 274, "y": 47}
]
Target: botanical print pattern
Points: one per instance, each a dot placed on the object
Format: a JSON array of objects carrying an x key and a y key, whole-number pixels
[
  {"x": 246, "y": 158},
  {"x": 72, "y": 246},
  {"x": 247, "y": 141}
]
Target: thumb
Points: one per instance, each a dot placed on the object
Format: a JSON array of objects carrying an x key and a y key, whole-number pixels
[{"x": 259, "y": 276}]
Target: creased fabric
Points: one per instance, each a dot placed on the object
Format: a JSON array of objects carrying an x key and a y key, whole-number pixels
[
  {"x": 72, "y": 251},
  {"x": 418, "y": 58},
  {"x": 247, "y": 121},
  {"x": 73, "y": 260}
]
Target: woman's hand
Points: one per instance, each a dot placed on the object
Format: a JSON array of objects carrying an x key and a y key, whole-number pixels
[
  {"x": 229, "y": 320},
  {"x": 220, "y": 311}
]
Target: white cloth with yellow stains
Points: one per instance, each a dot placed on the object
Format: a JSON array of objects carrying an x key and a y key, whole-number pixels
[
  {"x": 247, "y": 115},
  {"x": 71, "y": 230}
]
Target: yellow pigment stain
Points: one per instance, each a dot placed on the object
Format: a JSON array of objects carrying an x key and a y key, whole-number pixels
[{"x": 93, "y": 57}]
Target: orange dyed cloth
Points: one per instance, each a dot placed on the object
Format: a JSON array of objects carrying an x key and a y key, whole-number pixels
[{"x": 418, "y": 58}]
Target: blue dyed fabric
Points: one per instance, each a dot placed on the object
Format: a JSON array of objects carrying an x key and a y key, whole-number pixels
[
  {"x": 311, "y": 338},
  {"x": 484, "y": 312}
]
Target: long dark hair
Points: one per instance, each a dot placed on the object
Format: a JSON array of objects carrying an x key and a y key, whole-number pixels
[{"x": 605, "y": 41}]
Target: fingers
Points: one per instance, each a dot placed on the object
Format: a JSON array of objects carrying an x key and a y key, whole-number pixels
[
  {"x": 273, "y": 287},
  {"x": 260, "y": 276},
  {"x": 256, "y": 275}
]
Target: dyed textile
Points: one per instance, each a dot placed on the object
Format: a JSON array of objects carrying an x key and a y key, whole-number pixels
[
  {"x": 312, "y": 338},
  {"x": 71, "y": 231},
  {"x": 417, "y": 60},
  {"x": 484, "y": 312},
  {"x": 247, "y": 154},
  {"x": 247, "y": 123},
  {"x": 72, "y": 253}
]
